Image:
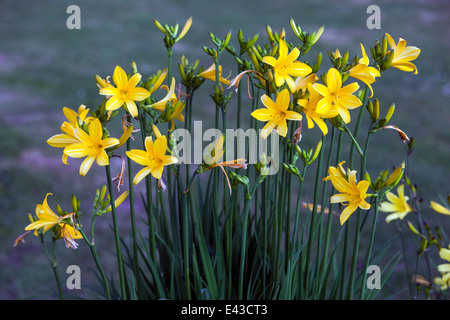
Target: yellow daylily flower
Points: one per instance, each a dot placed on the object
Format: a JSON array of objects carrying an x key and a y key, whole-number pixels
[
  {"x": 336, "y": 97},
  {"x": 403, "y": 54},
  {"x": 363, "y": 72},
  {"x": 302, "y": 83},
  {"x": 444, "y": 269},
  {"x": 397, "y": 204},
  {"x": 47, "y": 219},
  {"x": 352, "y": 195},
  {"x": 153, "y": 158},
  {"x": 92, "y": 146},
  {"x": 125, "y": 92},
  {"x": 210, "y": 74},
  {"x": 67, "y": 138},
  {"x": 276, "y": 113},
  {"x": 286, "y": 66},
  {"x": 439, "y": 208},
  {"x": 309, "y": 109}
]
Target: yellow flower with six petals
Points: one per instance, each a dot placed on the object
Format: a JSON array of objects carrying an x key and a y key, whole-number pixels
[
  {"x": 403, "y": 54},
  {"x": 47, "y": 219},
  {"x": 309, "y": 109},
  {"x": 336, "y": 97},
  {"x": 286, "y": 66},
  {"x": 125, "y": 92},
  {"x": 352, "y": 195},
  {"x": 397, "y": 204},
  {"x": 363, "y": 72},
  {"x": 276, "y": 113},
  {"x": 154, "y": 158},
  {"x": 92, "y": 146}
]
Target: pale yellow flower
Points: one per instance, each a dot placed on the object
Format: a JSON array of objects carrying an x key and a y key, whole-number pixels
[
  {"x": 403, "y": 54},
  {"x": 397, "y": 205}
]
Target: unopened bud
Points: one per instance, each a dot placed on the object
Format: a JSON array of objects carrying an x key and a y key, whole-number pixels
[{"x": 390, "y": 112}]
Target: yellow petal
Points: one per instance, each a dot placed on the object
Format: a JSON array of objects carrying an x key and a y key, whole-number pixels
[
  {"x": 120, "y": 78},
  {"x": 439, "y": 208}
]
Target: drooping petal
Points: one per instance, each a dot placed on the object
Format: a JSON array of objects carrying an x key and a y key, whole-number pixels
[
  {"x": 102, "y": 158},
  {"x": 347, "y": 212},
  {"x": 86, "y": 164},
  {"x": 114, "y": 103},
  {"x": 282, "y": 128},
  {"x": 141, "y": 175}
]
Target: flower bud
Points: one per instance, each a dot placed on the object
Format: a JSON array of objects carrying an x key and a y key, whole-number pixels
[
  {"x": 74, "y": 201},
  {"x": 390, "y": 112},
  {"x": 59, "y": 210},
  {"x": 376, "y": 110},
  {"x": 316, "y": 35}
]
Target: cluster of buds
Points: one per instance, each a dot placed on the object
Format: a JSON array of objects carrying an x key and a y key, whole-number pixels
[
  {"x": 385, "y": 181},
  {"x": 189, "y": 75},
  {"x": 380, "y": 55},
  {"x": 171, "y": 32},
  {"x": 308, "y": 39}
]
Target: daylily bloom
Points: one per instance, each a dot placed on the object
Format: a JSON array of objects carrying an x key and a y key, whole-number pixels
[
  {"x": 92, "y": 146},
  {"x": 276, "y": 113},
  {"x": 286, "y": 66},
  {"x": 352, "y": 195},
  {"x": 170, "y": 96},
  {"x": 154, "y": 158},
  {"x": 439, "y": 208},
  {"x": 397, "y": 204},
  {"x": 309, "y": 109},
  {"x": 47, "y": 219},
  {"x": 125, "y": 92},
  {"x": 67, "y": 138},
  {"x": 363, "y": 72},
  {"x": 210, "y": 74},
  {"x": 302, "y": 83},
  {"x": 444, "y": 269},
  {"x": 336, "y": 97},
  {"x": 403, "y": 54},
  {"x": 213, "y": 154}
]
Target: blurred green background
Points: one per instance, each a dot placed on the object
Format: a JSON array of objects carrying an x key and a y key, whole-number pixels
[{"x": 44, "y": 67}]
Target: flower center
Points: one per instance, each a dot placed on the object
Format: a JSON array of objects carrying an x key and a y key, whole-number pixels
[
  {"x": 278, "y": 117},
  {"x": 154, "y": 162}
]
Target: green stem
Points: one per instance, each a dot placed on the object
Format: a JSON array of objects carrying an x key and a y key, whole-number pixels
[
  {"x": 116, "y": 234},
  {"x": 369, "y": 250},
  {"x": 93, "y": 250},
  {"x": 313, "y": 214},
  {"x": 54, "y": 265},
  {"x": 244, "y": 241},
  {"x": 133, "y": 222}
]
